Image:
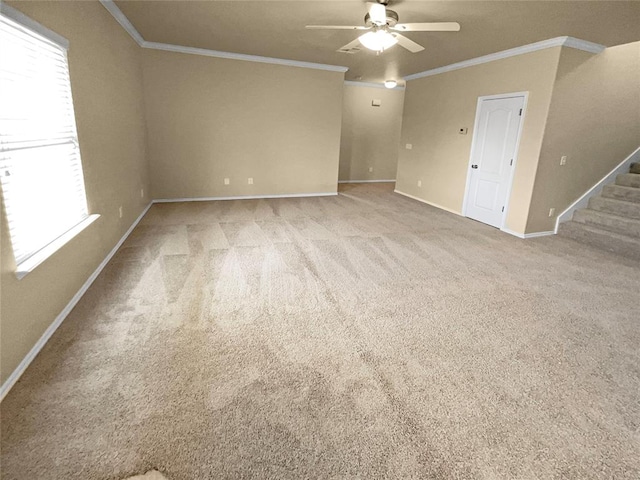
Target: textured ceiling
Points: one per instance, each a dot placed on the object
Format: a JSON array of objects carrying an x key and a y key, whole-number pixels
[{"x": 276, "y": 29}]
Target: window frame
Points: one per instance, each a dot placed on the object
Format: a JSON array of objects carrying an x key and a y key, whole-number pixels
[{"x": 38, "y": 257}]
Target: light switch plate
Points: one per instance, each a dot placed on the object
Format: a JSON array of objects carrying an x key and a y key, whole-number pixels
[{"x": 408, "y": 146}]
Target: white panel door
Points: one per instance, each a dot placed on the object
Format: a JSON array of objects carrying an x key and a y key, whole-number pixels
[{"x": 492, "y": 153}]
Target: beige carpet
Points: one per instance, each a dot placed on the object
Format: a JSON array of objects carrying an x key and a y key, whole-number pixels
[{"x": 359, "y": 336}]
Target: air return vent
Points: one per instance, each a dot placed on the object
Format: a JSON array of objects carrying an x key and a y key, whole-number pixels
[{"x": 350, "y": 51}]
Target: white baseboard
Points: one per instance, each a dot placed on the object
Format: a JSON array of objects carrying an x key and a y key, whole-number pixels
[
  {"x": 428, "y": 203},
  {"x": 583, "y": 201},
  {"x": 367, "y": 181},
  {"x": 26, "y": 361},
  {"x": 539, "y": 234},
  {"x": 243, "y": 197},
  {"x": 527, "y": 235},
  {"x": 505, "y": 230}
]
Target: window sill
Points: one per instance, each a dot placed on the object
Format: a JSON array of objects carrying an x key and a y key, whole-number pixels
[{"x": 29, "y": 265}]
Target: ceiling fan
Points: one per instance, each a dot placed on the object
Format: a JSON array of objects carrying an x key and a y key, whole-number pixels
[{"x": 382, "y": 25}]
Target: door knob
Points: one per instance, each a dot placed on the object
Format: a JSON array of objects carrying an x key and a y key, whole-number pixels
[{"x": 474, "y": 166}]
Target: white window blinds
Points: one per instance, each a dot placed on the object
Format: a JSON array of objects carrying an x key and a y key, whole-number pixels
[{"x": 40, "y": 167}]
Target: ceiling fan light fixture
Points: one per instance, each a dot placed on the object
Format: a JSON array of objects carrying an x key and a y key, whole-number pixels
[
  {"x": 390, "y": 83},
  {"x": 378, "y": 41}
]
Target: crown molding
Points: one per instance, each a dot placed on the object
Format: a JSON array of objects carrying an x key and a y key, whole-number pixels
[
  {"x": 585, "y": 45},
  {"x": 351, "y": 83},
  {"x": 241, "y": 56},
  {"x": 22, "y": 19},
  {"x": 120, "y": 17},
  {"x": 123, "y": 21},
  {"x": 512, "y": 52}
]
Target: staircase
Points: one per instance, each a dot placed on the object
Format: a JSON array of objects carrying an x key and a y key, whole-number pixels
[{"x": 612, "y": 219}]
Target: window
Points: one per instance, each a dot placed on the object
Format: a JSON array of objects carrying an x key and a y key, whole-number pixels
[{"x": 40, "y": 167}]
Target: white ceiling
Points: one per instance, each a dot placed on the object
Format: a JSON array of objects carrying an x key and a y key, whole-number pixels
[{"x": 277, "y": 29}]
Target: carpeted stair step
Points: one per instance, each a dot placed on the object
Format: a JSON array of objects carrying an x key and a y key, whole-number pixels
[
  {"x": 607, "y": 221},
  {"x": 624, "y": 245},
  {"x": 628, "y": 180},
  {"x": 616, "y": 207},
  {"x": 635, "y": 168},
  {"x": 628, "y": 194}
]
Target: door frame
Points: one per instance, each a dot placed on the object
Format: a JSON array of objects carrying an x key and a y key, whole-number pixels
[{"x": 525, "y": 96}]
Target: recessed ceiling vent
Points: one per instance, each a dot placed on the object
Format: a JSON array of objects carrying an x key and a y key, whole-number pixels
[{"x": 350, "y": 51}]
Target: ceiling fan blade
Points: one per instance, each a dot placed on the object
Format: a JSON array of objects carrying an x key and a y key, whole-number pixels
[
  {"x": 427, "y": 27},
  {"x": 351, "y": 47},
  {"x": 377, "y": 13},
  {"x": 337, "y": 27},
  {"x": 410, "y": 45}
]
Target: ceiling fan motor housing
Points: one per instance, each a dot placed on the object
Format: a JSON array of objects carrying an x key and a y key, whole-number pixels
[{"x": 392, "y": 19}]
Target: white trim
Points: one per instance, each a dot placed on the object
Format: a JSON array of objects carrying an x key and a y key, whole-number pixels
[
  {"x": 131, "y": 30},
  {"x": 583, "y": 45},
  {"x": 367, "y": 181},
  {"x": 512, "y": 52},
  {"x": 507, "y": 203},
  {"x": 539, "y": 234},
  {"x": 527, "y": 235},
  {"x": 583, "y": 201},
  {"x": 26, "y": 361},
  {"x": 351, "y": 83},
  {"x": 29, "y": 265},
  {"x": 243, "y": 197},
  {"x": 25, "y": 21},
  {"x": 123, "y": 21},
  {"x": 241, "y": 56},
  {"x": 121, "y": 18},
  {"x": 427, "y": 202},
  {"x": 525, "y": 97},
  {"x": 505, "y": 230}
]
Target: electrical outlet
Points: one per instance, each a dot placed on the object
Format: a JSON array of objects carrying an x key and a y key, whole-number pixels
[
  {"x": 370, "y": 169},
  {"x": 552, "y": 212},
  {"x": 463, "y": 131},
  {"x": 408, "y": 146},
  {"x": 120, "y": 211},
  {"x": 563, "y": 160},
  {"x": 226, "y": 181},
  {"x": 250, "y": 181},
  {"x": 420, "y": 183}
]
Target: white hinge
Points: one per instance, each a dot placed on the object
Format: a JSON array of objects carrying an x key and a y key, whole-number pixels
[
  {"x": 511, "y": 162},
  {"x": 520, "y": 112},
  {"x": 503, "y": 209}
]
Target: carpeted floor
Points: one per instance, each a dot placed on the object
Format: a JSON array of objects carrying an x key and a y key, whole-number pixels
[{"x": 359, "y": 336}]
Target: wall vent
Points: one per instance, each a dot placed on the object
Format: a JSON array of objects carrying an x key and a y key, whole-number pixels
[{"x": 350, "y": 51}]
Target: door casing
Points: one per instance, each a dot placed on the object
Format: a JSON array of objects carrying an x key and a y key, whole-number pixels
[{"x": 525, "y": 96}]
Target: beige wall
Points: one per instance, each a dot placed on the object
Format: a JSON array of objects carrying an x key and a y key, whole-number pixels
[
  {"x": 436, "y": 107},
  {"x": 370, "y": 135},
  {"x": 106, "y": 81},
  {"x": 594, "y": 120},
  {"x": 211, "y": 118}
]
